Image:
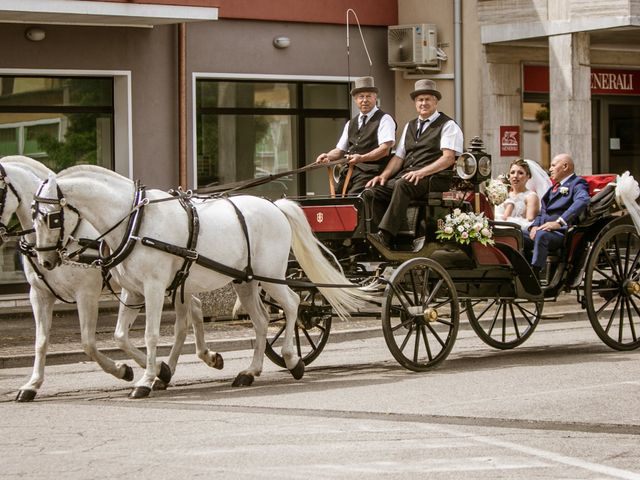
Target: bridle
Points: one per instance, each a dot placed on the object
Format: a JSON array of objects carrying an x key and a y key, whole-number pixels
[
  {"x": 53, "y": 219},
  {"x": 6, "y": 231}
]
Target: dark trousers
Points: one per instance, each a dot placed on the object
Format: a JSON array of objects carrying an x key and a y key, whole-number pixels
[
  {"x": 358, "y": 180},
  {"x": 541, "y": 245},
  {"x": 389, "y": 202}
]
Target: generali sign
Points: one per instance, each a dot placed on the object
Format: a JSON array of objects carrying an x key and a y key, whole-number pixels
[{"x": 604, "y": 81}]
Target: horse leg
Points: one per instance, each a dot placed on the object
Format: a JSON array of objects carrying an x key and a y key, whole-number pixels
[
  {"x": 154, "y": 299},
  {"x": 213, "y": 359},
  {"x": 42, "y": 304},
  {"x": 180, "y": 334},
  {"x": 126, "y": 317},
  {"x": 88, "y": 317},
  {"x": 249, "y": 295},
  {"x": 289, "y": 301}
]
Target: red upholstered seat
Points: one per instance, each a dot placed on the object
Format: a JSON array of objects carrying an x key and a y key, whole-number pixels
[{"x": 598, "y": 182}]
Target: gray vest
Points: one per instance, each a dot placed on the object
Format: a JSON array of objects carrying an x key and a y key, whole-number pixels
[
  {"x": 422, "y": 151},
  {"x": 364, "y": 140}
]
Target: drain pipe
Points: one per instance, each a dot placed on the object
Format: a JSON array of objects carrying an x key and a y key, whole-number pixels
[
  {"x": 457, "y": 59},
  {"x": 182, "y": 105}
]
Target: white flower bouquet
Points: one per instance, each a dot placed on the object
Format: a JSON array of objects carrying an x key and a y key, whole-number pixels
[
  {"x": 465, "y": 228},
  {"x": 496, "y": 191}
]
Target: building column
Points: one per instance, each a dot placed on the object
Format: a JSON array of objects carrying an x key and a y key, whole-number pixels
[
  {"x": 570, "y": 98},
  {"x": 502, "y": 105}
]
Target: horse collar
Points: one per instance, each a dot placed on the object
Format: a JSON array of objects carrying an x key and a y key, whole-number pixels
[{"x": 130, "y": 237}]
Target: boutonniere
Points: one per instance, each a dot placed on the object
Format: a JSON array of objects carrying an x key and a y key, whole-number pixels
[{"x": 564, "y": 190}]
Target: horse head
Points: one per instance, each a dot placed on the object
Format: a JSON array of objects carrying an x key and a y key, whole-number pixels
[
  {"x": 9, "y": 202},
  {"x": 54, "y": 221}
]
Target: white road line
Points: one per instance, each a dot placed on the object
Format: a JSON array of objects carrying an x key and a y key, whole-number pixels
[{"x": 544, "y": 454}]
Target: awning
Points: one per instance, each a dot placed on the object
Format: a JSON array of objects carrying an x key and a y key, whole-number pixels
[{"x": 79, "y": 12}]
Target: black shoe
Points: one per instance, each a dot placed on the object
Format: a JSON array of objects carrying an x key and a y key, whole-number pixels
[{"x": 380, "y": 238}]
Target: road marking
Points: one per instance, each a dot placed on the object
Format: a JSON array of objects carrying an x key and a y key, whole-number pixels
[
  {"x": 555, "y": 457},
  {"x": 427, "y": 422}
]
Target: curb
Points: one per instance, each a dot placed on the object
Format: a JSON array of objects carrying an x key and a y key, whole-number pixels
[
  {"x": 228, "y": 345},
  {"x": 241, "y": 343}
]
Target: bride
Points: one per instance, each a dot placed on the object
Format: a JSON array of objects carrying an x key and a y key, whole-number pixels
[{"x": 529, "y": 182}]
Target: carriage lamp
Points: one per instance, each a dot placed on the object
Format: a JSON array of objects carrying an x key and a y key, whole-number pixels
[
  {"x": 466, "y": 166},
  {"x": 484, "y": 166}
]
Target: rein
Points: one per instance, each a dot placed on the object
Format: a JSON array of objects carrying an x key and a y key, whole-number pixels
[{"x": 254, "y": 182}]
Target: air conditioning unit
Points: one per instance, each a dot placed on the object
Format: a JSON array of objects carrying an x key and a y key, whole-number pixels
[{"x": 413, "y": 45}]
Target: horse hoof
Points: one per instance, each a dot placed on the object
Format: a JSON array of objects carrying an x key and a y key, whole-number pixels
[
  {"x": 298, "y": 370},
  {"x": 128, "y": 373},
  {"x": 242, "y": 380},
  {"x": 165, "y": 373},
  {"x": 26, "y": 395},
  {"x": 158, "y": 384},
  {"x": 218, "y": 363},
  {"x": 140, "y": 392}
]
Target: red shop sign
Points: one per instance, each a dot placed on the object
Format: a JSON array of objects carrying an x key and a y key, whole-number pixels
[
  {"x": 510, "y": 141},
  {"x": 604, "y": 81}
]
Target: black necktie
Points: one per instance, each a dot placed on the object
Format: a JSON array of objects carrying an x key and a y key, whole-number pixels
[
  {"x": 362, "y": 123},
  {"x": 421, "y": 124}
]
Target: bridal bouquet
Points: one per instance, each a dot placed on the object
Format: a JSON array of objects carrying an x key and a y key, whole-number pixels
[
  {"x": 496, "y": 191},
  {"x": 465, "y": 228}
]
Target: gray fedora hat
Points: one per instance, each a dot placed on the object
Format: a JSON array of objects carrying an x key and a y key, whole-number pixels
[
  {"x": 363, "y": 84},
  {"x": 425, "y": 86}
]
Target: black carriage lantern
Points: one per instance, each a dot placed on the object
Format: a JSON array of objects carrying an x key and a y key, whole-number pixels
[
  {"x": 473, "y": 168},
  {"x": 474, "y": 165}
]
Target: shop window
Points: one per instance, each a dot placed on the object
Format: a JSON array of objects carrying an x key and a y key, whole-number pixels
[
  {"x": 248, "y": 130},
  {"x": 59, "y": 121}
]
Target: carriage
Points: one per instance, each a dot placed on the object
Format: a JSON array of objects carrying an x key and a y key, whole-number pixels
[
  {"x": 420, "y": 290},
  {"x": 426, "y": 286}
]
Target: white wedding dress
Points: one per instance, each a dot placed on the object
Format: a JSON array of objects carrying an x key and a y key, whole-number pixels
[
  {"x": 539, "y": 183},
  {"x": 519, "y": 212}
]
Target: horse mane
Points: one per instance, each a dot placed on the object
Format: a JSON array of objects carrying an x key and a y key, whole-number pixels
[
  {"x": 40, "y": 169},
  {"x": 90, "y": 169}
]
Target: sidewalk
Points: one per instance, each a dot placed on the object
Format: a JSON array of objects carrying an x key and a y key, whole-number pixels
[{"x": 17, "y": 333}]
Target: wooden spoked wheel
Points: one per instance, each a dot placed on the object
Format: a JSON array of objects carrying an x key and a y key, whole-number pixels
[
  {"x": 612, "y": 288},
  {"x": 503, "y": 323},
  {"x": 420, "y": 314},
  {"x": 311, "y": 331}
]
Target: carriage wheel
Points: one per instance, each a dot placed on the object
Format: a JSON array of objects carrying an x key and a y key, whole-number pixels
[
  {"x": 311, "y": 330},
  {"x": 503, "y": 323},
  {"x": 420, "y": 314},
  {"x": 612, "y": 288}
]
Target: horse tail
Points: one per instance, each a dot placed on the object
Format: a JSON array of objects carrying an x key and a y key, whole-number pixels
[{"x": 312, "y": 257}]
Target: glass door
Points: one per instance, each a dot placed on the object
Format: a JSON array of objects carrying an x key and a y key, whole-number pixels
[{"x": 623, "y": 141}]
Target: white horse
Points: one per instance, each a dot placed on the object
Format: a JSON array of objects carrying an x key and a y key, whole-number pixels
[
  {"x": 104, "y": 198},
  {"x": 21, "y": 178}
]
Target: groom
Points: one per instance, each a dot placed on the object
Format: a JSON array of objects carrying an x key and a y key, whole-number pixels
[{"x": 561, "y": 206}]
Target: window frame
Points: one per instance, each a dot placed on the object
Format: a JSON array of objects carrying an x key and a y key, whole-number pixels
[{"x": 298, "y": 112}]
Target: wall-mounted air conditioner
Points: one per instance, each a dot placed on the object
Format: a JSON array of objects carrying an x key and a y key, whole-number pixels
[{"x": 413, "y": 46}]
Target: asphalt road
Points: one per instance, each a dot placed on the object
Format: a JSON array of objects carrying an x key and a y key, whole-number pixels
[{"x": 563, "y": 405}]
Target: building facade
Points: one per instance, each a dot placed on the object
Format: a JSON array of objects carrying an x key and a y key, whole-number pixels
[
  {"x": 184, "y": 92},
  {"x": 199, "y": 92}
]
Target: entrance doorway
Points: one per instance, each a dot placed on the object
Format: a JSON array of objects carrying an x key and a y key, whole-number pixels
[{"x": 620, "y": 144}]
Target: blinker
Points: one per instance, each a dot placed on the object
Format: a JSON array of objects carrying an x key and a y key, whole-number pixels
[{"x": 54, "y": 220}]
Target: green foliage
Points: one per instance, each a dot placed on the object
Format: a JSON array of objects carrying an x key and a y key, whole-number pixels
[{"x": 543, "y": 117}]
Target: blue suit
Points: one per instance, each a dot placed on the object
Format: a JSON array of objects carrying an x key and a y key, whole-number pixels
[{"x": 568, "y": 202}]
